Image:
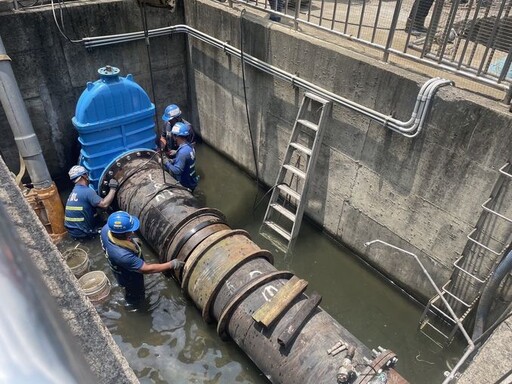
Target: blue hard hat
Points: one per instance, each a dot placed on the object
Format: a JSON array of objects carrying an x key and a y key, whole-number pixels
[
  {"x": 180, "y": 129},
  {"x": 122, "y": 222},
  {"x": 76, "y": 171},
  {"x": 171, "y": 111}
]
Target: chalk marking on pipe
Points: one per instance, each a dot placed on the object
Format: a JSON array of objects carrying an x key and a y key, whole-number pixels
[
  {"x": 271, "y": 291},
  {"x": 252, "y": 274},
  {"x": 230, "y": 286}
]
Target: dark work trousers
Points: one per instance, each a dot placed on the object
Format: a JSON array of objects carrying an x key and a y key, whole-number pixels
[{"x": 423, "y": 8}]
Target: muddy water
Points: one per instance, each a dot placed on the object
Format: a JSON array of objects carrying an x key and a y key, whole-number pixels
[{"x": 168, "y": 341}]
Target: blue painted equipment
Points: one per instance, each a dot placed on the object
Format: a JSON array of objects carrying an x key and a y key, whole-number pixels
[{"x": 113, "y": 115}]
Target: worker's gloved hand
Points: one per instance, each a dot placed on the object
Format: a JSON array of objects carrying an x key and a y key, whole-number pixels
[
  {"x": 177, "y": 264},
  {"x": 167, "y": 163},
  {"x": 171, "y": 153},
  {"x": 162, "y": 143},
  {"x": 113, "y": 184}
]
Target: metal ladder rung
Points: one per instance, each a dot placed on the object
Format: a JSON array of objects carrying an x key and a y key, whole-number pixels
[
  {"x": 434, "y": 299},
  {"x": 279, "y": 230},
  {"x": 447, "y": 316},
  {"x": 315, "y": 97},
  {"x": 456, "y": 265},
  {"x": 282, "y": 210},
  {"x": 480, "y": 244},
  {"x": 301, "y": 148},
  {"x": 295, "y": 170},
  {"x": 502, "y": 170},
  {"x": 494, "y": 212},
  {"x": 287, "y": 190},
  {"x": 427, "y": 322},
  {"x": 308, "y": 124},
  {"x": 456, "y": 298}
]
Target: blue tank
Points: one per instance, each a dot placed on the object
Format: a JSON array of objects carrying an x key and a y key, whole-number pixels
[{"x": 113, "y": 115}]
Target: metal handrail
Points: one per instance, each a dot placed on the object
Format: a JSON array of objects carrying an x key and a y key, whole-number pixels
[
  {"x": 471, "y": 345},
  {"x": 444, "y": 21}
]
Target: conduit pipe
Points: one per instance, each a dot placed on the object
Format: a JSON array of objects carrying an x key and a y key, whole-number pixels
[
  {"x": 44, "y": 198},
  {"x": 231, "y": 280},
  {"x": 17, "y": 116},
  {"x": 409, "y": 128},
  {"x": 488, "y": 294}
]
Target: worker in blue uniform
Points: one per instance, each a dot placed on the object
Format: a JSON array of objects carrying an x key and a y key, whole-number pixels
[
  {"x": 183, "y": 165},
  {"x": 123, "y": 250},
  {"x": 171, "y": 116},
  {"x": 80, "y": 218}
]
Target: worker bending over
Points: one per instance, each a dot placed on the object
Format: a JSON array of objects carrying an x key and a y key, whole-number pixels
[
  {"x": 123, "y": 250},
  {"x": 183, "y": 165},
  {"x": 80, "y": 217}
]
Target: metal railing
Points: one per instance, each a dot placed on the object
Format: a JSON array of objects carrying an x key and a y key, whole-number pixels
[{"x": 471, "y": 38}]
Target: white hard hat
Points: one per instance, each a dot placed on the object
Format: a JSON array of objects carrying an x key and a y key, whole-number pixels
[{"x": 75, "y": 172}]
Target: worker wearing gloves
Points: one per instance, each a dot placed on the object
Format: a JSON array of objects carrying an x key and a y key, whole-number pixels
[
  {"x": 183, "y": 165},
  {"x": 123, "y": 250},
  {"x": 171, "y": 116},
  {"x": 80, "y": 217}
]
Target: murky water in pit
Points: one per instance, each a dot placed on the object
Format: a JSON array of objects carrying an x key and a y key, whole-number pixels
[{"x": 169, "y": 342}]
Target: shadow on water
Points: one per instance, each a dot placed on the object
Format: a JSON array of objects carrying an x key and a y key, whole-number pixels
[{"x": 168, "y": 341}]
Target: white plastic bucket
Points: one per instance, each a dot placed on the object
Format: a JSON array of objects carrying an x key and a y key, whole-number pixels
[
  {"x": 77, "y": 260},
  {"x": 95, "y": 285}
]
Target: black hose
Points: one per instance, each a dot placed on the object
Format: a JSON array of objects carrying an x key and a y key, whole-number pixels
[
  {"x": 254, "y": 154},
  {"x": 486, "y": 299},
  {"x": 144, "y": 18}
]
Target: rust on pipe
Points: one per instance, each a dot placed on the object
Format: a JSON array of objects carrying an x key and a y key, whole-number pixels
[
  {"x": 229, "y": 277},
  {"x": 47, "y": 205}
]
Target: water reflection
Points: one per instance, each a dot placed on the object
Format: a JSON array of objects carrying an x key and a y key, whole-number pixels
[{"x": 168, "y": 341}]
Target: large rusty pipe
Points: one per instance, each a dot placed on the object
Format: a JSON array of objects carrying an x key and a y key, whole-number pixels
[{"x": 230, "y": 279}]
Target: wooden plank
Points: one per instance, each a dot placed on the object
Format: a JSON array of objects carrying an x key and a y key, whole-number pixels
[
  {"x": 271, "y": 310},
  {"x": 291, "y": 331}
]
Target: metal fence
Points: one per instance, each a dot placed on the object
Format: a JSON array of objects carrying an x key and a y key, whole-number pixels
[{"x": 470, "y": 38}]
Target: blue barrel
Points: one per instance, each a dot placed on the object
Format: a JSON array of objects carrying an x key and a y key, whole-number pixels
[{"x": 113, "y": 115}]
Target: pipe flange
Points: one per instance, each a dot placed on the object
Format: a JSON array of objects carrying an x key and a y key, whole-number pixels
[
  {"x": 242, "y": 294},
  {"x": 115, "y": 167}
]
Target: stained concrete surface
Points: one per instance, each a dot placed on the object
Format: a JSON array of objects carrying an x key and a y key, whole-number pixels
[
  {"x": 422, "y": 194},
  {"x": 95, "y": 341}
]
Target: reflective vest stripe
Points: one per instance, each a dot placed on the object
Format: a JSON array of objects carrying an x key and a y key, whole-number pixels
[
  {"x": 71, "y": 208},
  {"x": 74, "y": 219}
]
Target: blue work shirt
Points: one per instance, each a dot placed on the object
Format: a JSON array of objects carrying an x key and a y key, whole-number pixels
[
  {"x": 81, "y": 206},
  {"x": 125, "y": 265},
  {"x": 183, "y": 166}
]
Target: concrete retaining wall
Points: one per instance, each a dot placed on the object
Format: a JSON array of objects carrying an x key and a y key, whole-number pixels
[
  {"x": 421, "y": 194},
  {"x": 93, "y": 338},
  {"x": 52, "y": 72}
]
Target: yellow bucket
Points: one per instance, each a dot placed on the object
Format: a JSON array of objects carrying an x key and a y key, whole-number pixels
[
  {"x": 77, "y": 260},
  {"x": 95, "y": 285}
]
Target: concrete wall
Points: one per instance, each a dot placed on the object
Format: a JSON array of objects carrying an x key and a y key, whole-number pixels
[
  {"x": 421, "y": 194},
  {"x": 52, "y": 72},
  {"x": 99, "y": 349}
]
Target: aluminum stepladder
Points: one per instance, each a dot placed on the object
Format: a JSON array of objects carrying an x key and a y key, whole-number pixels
[
  {"x": 487, "y": 244},
  {"x": 288, "y": 200}
]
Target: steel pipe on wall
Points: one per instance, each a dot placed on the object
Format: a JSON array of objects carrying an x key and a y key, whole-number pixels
[{"x": 233, "y": 283}]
